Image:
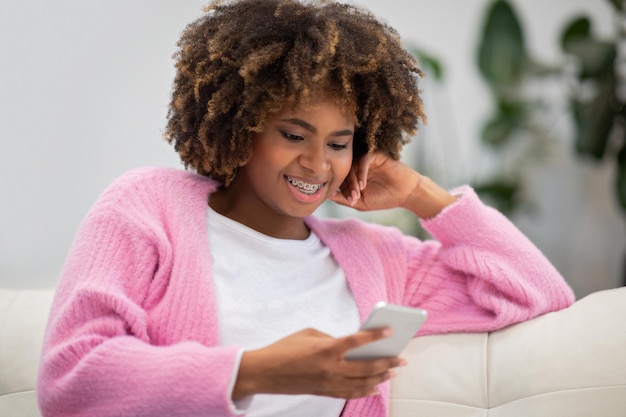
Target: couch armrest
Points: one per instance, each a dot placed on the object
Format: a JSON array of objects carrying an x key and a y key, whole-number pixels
[
  {"x": 567, "y": 363},
  {"x": 23, "y": 318}
]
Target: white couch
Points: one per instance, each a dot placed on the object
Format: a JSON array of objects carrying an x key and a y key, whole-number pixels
[{"x": 570, "y": 363}]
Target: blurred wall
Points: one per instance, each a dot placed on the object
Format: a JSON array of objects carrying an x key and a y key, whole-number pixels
[{"x": 84, "y": 88}]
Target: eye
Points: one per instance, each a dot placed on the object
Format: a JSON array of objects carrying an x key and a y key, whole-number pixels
[
  {"x": 291, "y": 136},
  {"x": 338, "y": 146}
]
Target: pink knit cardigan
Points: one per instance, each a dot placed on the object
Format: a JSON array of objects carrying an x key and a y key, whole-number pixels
[{"x": 133, "y": 327}]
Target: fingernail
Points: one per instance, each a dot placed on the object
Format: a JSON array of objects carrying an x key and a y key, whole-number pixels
[
  {"x": 355, "y": 197},
  {"x": 403, "y": 362},
  {"x": 361, "y": 185}
]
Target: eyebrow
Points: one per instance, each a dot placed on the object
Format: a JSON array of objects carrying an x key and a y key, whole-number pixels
[{"x": 312, "y": 129}]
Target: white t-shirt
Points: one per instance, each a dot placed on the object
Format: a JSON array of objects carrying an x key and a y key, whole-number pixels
[{"x": 269, "y": 288}]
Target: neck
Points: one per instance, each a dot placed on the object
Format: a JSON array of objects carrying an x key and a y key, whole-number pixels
[{"x": 228, "y": 202}]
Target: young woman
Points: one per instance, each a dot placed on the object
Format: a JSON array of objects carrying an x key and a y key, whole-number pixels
[{"x": 216, "y": 292}]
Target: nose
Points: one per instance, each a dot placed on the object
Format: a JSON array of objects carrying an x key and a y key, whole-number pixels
[{"x": 315, "y": 158}]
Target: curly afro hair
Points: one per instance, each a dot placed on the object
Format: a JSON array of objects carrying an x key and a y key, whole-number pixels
[{"x": 244, "y": 60}]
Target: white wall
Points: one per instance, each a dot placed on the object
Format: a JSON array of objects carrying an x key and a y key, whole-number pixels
[
  {"x": 83, "y": 96},
  {"x": 84, "y": 89}
]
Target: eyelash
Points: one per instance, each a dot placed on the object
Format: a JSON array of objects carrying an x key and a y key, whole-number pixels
[
  {"x": 292, "y": 137},
  {"x": 296, "y": 138}
]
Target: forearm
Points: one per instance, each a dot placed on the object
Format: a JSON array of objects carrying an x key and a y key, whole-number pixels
[
  {"x": 486, "y": 271},
  {"x": 312, "y": 362},
  {"x": 126, "y": 376}
]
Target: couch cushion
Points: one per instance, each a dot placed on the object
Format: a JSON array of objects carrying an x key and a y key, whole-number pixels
[
  {"x": 572, "y": 357},
  {"x": 569, "y": 363},
  {"x": 446, "y": 376},
  {"x": 23, "y": 317}
]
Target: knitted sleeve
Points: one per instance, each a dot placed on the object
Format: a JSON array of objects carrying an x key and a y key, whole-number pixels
[
  {"x": 99, "y": 358},
  {"x": 480, "y": 273}
]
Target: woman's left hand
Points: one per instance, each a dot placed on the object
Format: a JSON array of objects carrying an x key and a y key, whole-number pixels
[{"x": 378, "y": 182}]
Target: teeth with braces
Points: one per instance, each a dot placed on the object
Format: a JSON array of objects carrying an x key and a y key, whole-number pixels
[{"x": 305, "y": 187}]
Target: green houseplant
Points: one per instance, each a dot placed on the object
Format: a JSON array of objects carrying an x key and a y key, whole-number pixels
[
  {"x": 514, "y": 131},
  {"x": 597, "y": 97},
  {"x": 594, "y": 71}
]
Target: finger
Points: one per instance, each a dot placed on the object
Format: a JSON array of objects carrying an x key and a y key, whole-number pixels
[
  {"x": 345, "y": 195},
  {"x": 359, "y": 387},
  {"x": 313, "y": 332},
  {"x": 362, "y": 337},
  {"x": 362, "y": 171},
  {"x": 348, "y": 395},
  {"x": 365, "y": 383},
  {"x": 370, "y": 367},
  {"x": 350, "y": 187},
  {"x": 339, "y": 198}
]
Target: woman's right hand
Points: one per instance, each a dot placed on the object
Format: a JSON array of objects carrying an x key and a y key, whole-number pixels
[
  {"x": 312, "y": 362},
  {"x": 378, "y": 182}
]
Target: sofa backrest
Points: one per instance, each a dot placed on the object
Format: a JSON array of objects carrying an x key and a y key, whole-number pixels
[{"x": 570, "y": 363}]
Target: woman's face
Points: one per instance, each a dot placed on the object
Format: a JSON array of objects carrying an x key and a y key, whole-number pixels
[{"x": 299, "y": 159}]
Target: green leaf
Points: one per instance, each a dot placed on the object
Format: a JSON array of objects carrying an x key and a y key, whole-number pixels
[
  {"x": 597, "y": 58},
  {"x": 618, "y": 4},
  {"x": 500, "y": 128},
  {"x": 502, "y": 52},
  {"x": 595, "y": 120},
  {"x": 497, "y": 131},
  {"x": 512, "y": 109},
  {"x": 503, "y": 194},
  {"x": 620, "y": 180},
  {"x": 541, "y": 69},
  {"x": 577, "y": 29}
]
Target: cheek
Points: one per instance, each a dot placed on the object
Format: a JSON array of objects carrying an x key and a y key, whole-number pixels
[
  {"x": 266, "y": 158},
  {"x": 342, "y": 168}
]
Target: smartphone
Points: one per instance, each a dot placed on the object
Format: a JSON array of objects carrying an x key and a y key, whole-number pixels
[{"x": 404, "y": 321}]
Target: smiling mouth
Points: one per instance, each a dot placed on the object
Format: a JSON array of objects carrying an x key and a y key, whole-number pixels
[{"x": 305, "y": 187}]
